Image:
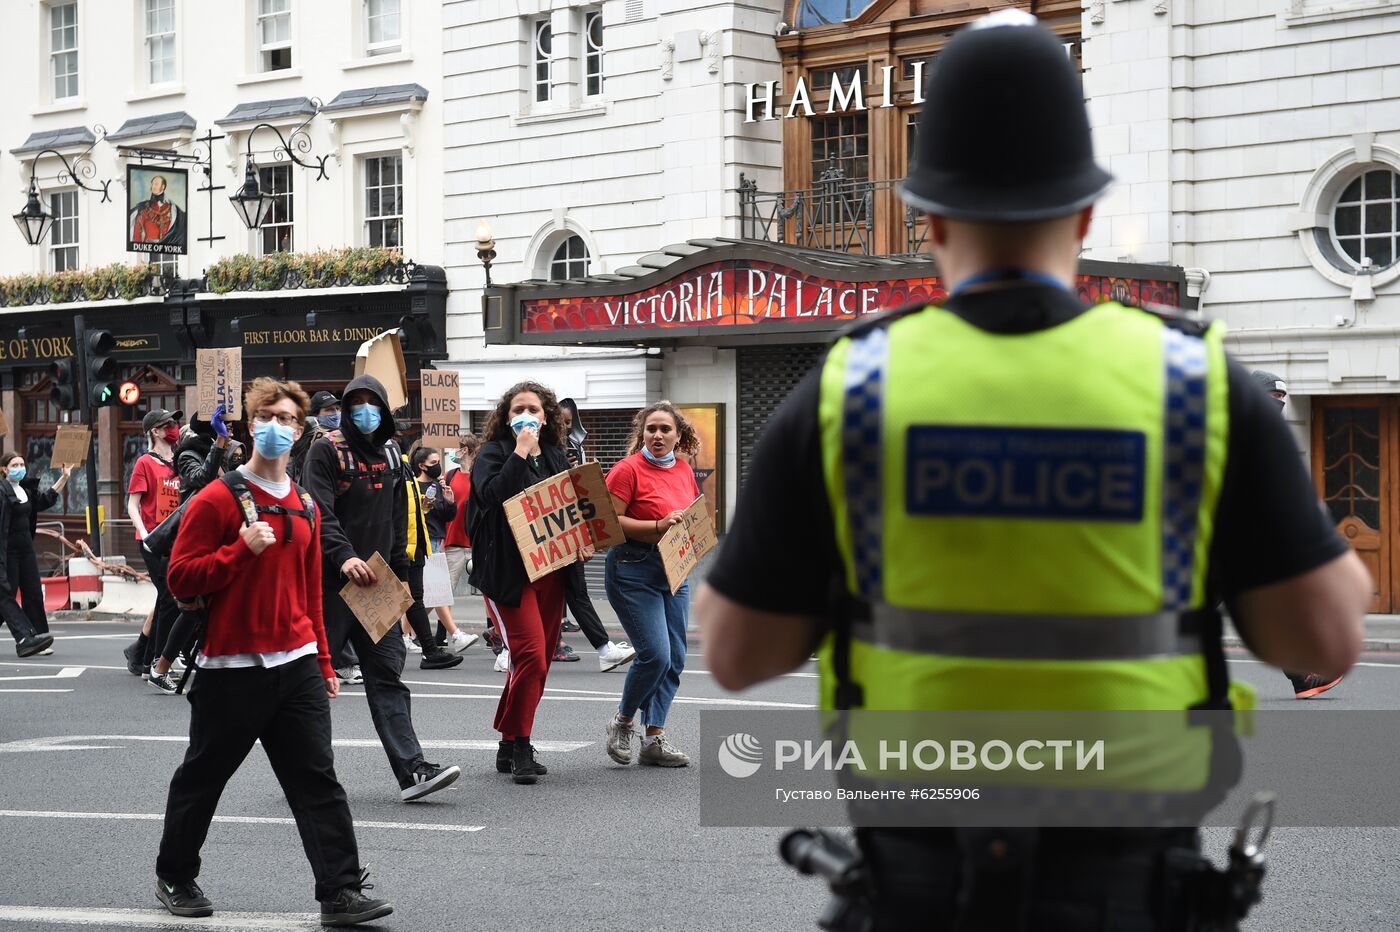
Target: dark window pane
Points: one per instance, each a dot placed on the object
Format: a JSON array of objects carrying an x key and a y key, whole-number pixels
[
  {"x": 1348, "y": 221},
  {"x": 1352, "y": 193},
  {"x": 1352, "y": 247},
  {"x": 1379, "y": 218},
  {"x": 1381, "y": 251},
  {"x": 1379, "y": 185}
]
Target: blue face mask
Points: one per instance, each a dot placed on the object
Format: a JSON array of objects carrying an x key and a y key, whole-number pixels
[
  {"x": 366, "y": 418},
  {"x": 522, "y": 421},
  {"x": 16, "y": 473},
  {"x": 665, "y": 462},
  {"x": 329, "y": 421},
  {"x": 272, "y": 439}
]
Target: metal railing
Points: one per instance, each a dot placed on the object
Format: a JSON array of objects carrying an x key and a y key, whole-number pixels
[{"x": 839, "y": 214}]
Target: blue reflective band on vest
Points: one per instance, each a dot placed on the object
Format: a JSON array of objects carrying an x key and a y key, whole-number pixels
[
  {"x": 863, "y": 458},
  {"x": 1017, "y": 472},
  {"x": 1183, "y": 478}
]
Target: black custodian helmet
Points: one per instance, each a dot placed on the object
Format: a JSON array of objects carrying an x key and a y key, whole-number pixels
[{"x": 1003, "y": 133}]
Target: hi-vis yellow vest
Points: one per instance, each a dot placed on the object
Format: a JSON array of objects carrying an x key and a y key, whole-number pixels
[{"x": 1026, "y": 518}]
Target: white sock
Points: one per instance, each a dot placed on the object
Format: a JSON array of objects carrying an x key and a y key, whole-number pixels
[
  {"x": 650, "y": 740},
  {"x": 605, "y": 648}
]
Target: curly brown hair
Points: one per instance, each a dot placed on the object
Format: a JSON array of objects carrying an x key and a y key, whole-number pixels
[
  {"x": 689, "y": 442},
  {"x": 264, "y": 391},
  {"x": 498, "y": 424}
]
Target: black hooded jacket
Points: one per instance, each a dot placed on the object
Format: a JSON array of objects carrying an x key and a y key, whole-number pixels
[
  {"x": 198, "y": 461},
  {"x": 498, "y": 474},
  {"x": 9, "y": 504},
  {"x": 364, "y": 507}
]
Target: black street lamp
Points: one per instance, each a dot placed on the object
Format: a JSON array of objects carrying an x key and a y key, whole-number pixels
[
  {"x": 485, "y": 248},
  {"x": 34, "y": 221},
  {"x": 249, "y": 201}
]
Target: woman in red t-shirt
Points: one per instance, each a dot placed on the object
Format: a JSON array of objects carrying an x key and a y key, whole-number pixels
[{"x": 650, "y": 489}]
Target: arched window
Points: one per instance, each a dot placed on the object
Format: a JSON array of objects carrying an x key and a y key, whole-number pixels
[
  {"x": 1364, "y": 221},
  {"x": 571, "y": 260}
]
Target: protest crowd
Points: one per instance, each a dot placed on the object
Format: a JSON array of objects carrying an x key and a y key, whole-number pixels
[{"x": 359, "y": 547}]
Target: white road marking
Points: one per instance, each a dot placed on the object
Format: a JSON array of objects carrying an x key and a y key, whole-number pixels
[
  {"x": 67, "y": 673},
  {"x": 151, "y": 919},
  {"x": 65, "y": 743},
  {"x": 745, "y": 703},
  {"x": 35, "y": 690},
  {"x": 86, "y": 666},
  {"x": 1359, "y": 663},
  {"x": 232, "y": 820},
  {"x": 91, "y": 637}
]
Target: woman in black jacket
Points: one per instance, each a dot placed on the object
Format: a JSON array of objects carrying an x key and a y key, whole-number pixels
[
  {"x": 20, "y": 504},
  {"x": 524, "y": 445},
  {"x": 202, "y": 453}
]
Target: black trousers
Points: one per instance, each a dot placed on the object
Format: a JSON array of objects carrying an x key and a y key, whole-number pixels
[
  {"x": 166, "y": 610},
  {"x": 286, "y": 709},
  {"x": 418, "y": 615},
  {"x": 1083, "y": 881},
  {"x": 581, "y": 606},
  {"x": 390, "y": 704},
  {"x": 22, "y": 573}
]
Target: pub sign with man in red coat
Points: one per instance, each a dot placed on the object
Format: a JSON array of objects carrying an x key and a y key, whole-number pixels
[{"x": 156, "y": 204}]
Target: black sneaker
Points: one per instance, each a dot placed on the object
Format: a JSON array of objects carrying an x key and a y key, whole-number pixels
[
  {"x": 184, "y": 899},
  {"x": 132, "y": 653},
  {"x": 164, "y": 682},
  {"x": 34, "y": 644},
  {"x": 493, "y": 640},
  {"x": 349, "y": 906},
  {"x": 563, "y": 653},
  {"x": 1311, "y": 685},
  {"x": 438, "y": 659},
  {"x": 570, "y": 626},
  {"x": 428, "y": 778}
]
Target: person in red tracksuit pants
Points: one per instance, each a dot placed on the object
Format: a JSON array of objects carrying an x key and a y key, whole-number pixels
[{"x": 523, "y": 445}]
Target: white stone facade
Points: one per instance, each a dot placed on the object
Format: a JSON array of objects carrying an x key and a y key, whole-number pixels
[
  {"x": 1231, "y": 126},
  {"x": 214, "y": 60}
]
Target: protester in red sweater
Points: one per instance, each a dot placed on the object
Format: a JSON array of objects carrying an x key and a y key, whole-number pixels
[{"x": 265, "y": 673}]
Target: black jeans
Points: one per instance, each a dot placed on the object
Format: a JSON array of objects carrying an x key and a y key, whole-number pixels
[
  {"x": 22, "y": 573},
  {"x": 1084, "y": 880},
  {"x": 286, "y": 709},
  {"x": 390, "y": 704},
  {"x": 418, "y": 615},
  {"x": 166, "y": 610},
  {"x": 581, "y": 606}
]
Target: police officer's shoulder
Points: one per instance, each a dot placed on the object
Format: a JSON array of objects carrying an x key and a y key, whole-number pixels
[
  {"x": 877, "y": 321},
  {"x": 1174, "y": 318}
]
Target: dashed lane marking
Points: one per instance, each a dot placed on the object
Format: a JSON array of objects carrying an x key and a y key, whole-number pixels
[
  {"x": 67, "y": 673},
  {"x": 231, "y": 820},
  {"x": 679, "y": 700},
  {"x": 82, "y": 743},
  {"x": 151, "y": 919}
]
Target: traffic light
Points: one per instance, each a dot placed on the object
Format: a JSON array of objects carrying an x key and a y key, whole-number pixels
[
  {"x": 101, "y": 368},
  {"x": 64, "y": 376}
]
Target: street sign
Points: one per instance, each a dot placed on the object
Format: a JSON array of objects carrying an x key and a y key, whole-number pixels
[{"x": 128, "y": 393}]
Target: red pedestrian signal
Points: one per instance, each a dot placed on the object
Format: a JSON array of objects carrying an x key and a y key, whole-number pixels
[{"x": 128, "y": 393}]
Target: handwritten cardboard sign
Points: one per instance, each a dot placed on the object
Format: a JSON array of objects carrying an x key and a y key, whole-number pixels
[
  {"x": 552, "y": 520},
  {"x": 380, "y": 606},
  {"x": 70, "y": 446},
  {"x": 683, "y": 546},
  {"x": 382, "y": 357},
  {"x": 442, "y": 404},
  {"x": 218, "y": 379}
]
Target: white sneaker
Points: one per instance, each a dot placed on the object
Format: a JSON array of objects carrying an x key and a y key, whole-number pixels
[
  {"x": 619, "y": 746},
  {"x": 350, "y": 676},
  {"x": 178, "y": 666},
  {"x": 46, "y": 652},
  {"x": 503, "y": 662},
  {"x": 615, "y": 654},
  {"x": 460, "y": 640},
  {"x": 412, "y": 645},
  {"x": 662, "y": 753}
]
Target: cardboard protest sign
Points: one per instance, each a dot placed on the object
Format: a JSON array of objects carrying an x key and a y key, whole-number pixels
[
  {"x": 382, "y": 357},
  {"x": 552, "y": 520},
  {"x": 683, "y": 546},
  {"x": 442, "y": 403},
  {"x": 437, "y": 582},
  {"x": 380, "y": 606},
  {"x": 218, "y": 380},
  {"x": 70, "y": 446}
]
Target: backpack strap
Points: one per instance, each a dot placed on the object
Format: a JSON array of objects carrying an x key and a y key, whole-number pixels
[{"x": 252, "y": 510}]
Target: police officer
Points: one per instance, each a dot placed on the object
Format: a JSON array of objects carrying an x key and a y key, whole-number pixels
[
  {"x": 1305, "y": 685},
  {"x": 989, "y": 482}
]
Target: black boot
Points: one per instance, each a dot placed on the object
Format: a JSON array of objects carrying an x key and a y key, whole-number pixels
[
  {"x": 504, "y": 750},
  {"x": 34, "y": 644},
  {"x": 523, "y": 766}
]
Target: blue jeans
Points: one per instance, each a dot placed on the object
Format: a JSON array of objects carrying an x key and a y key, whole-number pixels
[{"x": 655, "y": 621}]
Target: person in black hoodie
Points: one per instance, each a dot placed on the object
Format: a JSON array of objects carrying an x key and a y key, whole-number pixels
[
  {"x": 356, "y": 475},
  {"x": 200, "y": 455},
  {"x": 524, "y": 445},
  {"x": 20, "y": 504}
]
